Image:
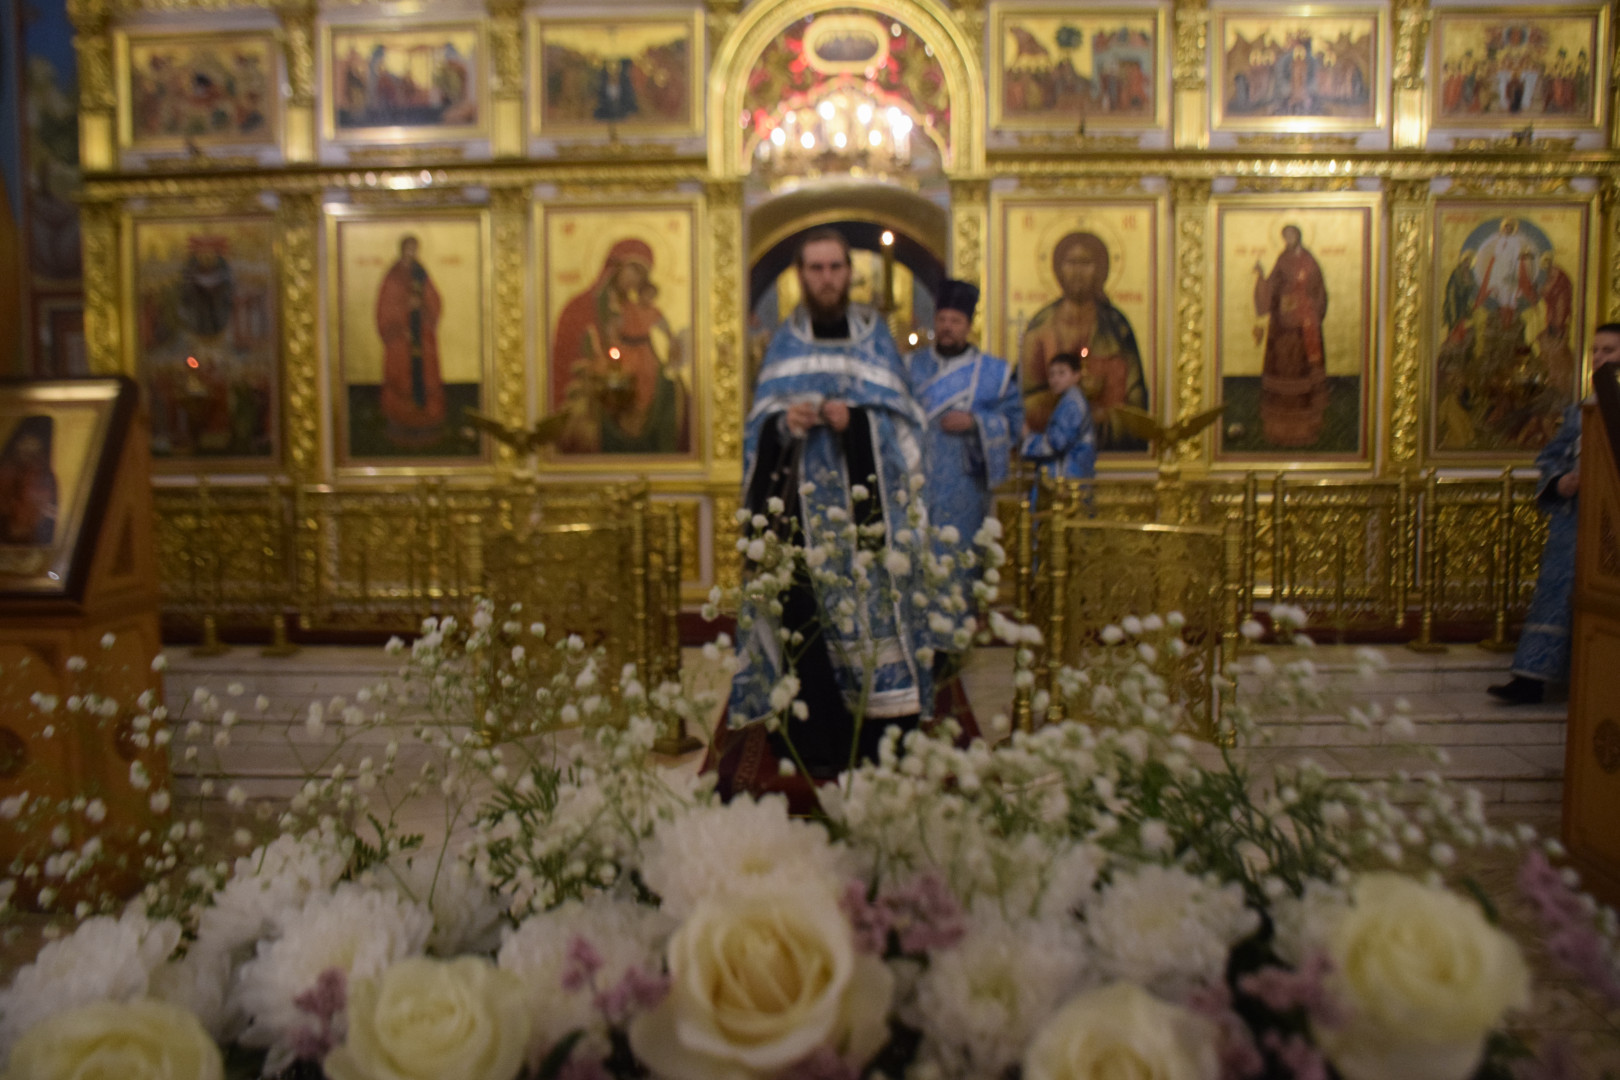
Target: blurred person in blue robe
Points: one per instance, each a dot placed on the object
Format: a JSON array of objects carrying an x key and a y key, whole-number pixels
[{"x": 1543, "y": 653}]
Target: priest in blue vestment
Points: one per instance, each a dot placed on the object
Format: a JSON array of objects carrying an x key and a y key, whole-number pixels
[
  {"x": 974, "y": 411},
  {"x": 832, "y": 440},
  {"x": 1543, "y": 653}
]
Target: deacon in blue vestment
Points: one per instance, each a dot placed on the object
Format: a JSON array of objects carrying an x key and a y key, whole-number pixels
[
  {"x": 1543, "y": 653},
  {"x": 833, "y": 409},
  {"x": 974, "y": 411},
  {"x": 1067, "y": 449}
]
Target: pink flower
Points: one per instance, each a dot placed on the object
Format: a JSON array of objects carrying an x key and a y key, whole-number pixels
[
  {"x": 324, "y": 1002},
  {"x": 1240, "y": 1059},
  {"x": 1572, "y": 940},
  {"x": 1305, "y": 987}
]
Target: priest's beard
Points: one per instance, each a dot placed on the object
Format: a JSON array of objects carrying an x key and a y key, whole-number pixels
[{"x": 831, "y": 313}]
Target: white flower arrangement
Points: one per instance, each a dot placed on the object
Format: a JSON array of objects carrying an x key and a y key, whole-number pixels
[{"x": 1103, "y": 897}]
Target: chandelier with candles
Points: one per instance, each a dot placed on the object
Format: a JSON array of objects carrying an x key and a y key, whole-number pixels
[{"x": 846, "y": 131}]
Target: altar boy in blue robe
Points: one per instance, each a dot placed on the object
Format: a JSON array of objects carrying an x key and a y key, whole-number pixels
[
  {"x": 1067, "y": 449},
  {"x": 974, "y": 411}
]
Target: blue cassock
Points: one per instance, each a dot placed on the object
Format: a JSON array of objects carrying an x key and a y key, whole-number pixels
[
  {"x": 864, "y": 371},
  {"x": 1067, "y": 449},
  {"x": 1543, "y": 651},
  {"x": 963, "y": 469}
]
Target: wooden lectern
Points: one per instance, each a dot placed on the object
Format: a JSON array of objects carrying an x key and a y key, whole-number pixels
[
  {"x": 1592, "y": 748},
  {"x": 77, "y": 563}
]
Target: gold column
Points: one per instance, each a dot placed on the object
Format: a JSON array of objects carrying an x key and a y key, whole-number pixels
[
  {"x": 970, "y": 216},
  {"x": 1408, "y": 207},
  {"x": 1191, "y": 106},
  {"x": 725, "y": 199},
  {"x": 510, "y": 211},
  {"x": 1411, "y": 128},
  {"x": 298, "y": 223},
  {"x": 970, "y": 199},
  {"x": 103, "y": 328},
  {"x": 98, "y": 96},
  {"x": 1190, "y": 204},
  {"x": 506, "y": 47},
  {"x": 1611, "y": 233},
  {"x": 727, "y": 560},
  {"x": 298, "y": 50}
]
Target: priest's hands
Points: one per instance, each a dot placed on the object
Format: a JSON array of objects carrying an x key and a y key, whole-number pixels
[
  {"x": 1569, "y": 484},
  {"x": 836, "y": 414},
  {"x": 801, "y": 417},
  {"x": 804, "y": 415},
  {"x": 957, "y": 421}
]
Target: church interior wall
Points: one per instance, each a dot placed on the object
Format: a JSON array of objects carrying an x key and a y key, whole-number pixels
[{"x": 318, "y": 235}]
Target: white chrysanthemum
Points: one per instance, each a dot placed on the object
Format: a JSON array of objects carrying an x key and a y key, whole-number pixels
[
  {"x": 274, "y": 880},
  {"x": 466, "y": 914},
  {"x": 198, "y": 983},
  {"x": 979, "y": 1004},
  {"x": 736, "y": 849},
  {"x": 1167, "y": 929},
  {"x": 105, "y": 959},
  {"x": 356, "y": 930},
  {"x": 624, "y": 934}
]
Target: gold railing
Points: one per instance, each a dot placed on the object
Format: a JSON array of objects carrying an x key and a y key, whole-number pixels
[
  {"x": 1392, "y": 558},
  {"x": 601, "y": 562}
]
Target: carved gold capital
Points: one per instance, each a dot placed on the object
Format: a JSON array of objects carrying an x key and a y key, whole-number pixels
[
  {"x": 97, "y": 92},
  {"x": 1408, "y": 209},
  {"x": 98, "y": 230},
  {"x": 1192, "y": 31},
  {"x": 722, "y": 16},
  {"x": 506, "y": 46},
  {"x": 1190, "y": 205},
  {"x": 969, "y": 219},
  {"x": 725, "y": 203},
  {"x": 970, "y": 17},
  {"x": 298, "y": 52},
  {"x": 1411, "y": 19},
  {"x": 509, "y": 209},
  {"x": 298, "y": 223}
]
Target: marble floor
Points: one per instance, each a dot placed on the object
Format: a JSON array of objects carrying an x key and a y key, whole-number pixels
[{"x": 1513, "y": 755}]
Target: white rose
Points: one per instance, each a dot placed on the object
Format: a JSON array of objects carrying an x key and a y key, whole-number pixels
[
  {"x": 1424, "y": 976},
  {"x": 135, "y": 1040},
  {"x": 434, "y": 1018},
  {"x": 760, "y": 982},
  {"x": 1122, "y": 1032}
]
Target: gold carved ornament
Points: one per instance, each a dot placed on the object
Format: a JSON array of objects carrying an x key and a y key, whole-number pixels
[
  {"x": 1408, "y": 204},
  {"x": 725, "y": 227},
  {"x": 1190, "y": 201},
  {"x": 509, "y": 210},
  {"x": 298, "y": 225}
]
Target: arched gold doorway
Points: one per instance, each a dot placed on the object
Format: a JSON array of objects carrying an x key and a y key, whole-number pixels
[{"x": 899, "y": 277}]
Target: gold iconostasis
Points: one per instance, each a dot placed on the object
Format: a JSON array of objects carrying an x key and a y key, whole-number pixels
[{"x": 1380, "y": 235}]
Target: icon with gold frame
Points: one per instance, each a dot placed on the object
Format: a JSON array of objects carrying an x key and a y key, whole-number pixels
[
  {"x": 1513, "y": 302},
  {"x": 1296, "y": 288},
  {"x": 1517, "y": 67},
  {"x": 1082, "y": 276},
  {"x": 203, "y": 337},
  {"x": 60, "y": 443},
  {"x": 409, "y": 312},
  {"x": 1053, "y": 69},
  {"x": 636, "y": 75},
  {"x": 619, "y": 286},
  {"x": 177, "y": 91},
  {"x": 1301, "y": 69},
  {"x": 397, "y": 82}
]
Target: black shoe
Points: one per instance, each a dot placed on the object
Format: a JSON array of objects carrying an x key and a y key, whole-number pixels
[{"x": 1521, "y": 691}]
